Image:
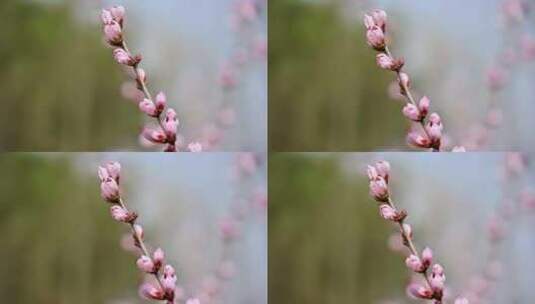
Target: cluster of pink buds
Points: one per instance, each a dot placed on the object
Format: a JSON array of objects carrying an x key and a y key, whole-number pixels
[
  {"x": 165, "y": 132},
  {"x": 433, "y": 274},
  {"x": 165, "y": 276},
  {"x": 428, "y": 129}
]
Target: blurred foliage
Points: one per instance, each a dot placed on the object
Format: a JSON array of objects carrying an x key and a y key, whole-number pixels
[
  {"x": 325, "y": 91},
  {"x": 60, "y": 86},
  {"x": 58, "y": 242},
  {"x": 327, "y": 243}
]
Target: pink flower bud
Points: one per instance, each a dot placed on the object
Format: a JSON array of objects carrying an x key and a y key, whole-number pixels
[
  {"x": 384, "y": 61},
  {"x": 418, "y": 140},
  {"x": 376, "y": 38},
  {"x": 193, "y": 301},
  {"x": 379, "y": 189},
  {"x": 372, "y": 173},
  {"x": 113, "y": 33},
  {"x": 106, "y": 17},
  {"x": 379, "y": 18},
  {"x": 151, "y": 292},
  {"x": 383, "y": 169},
  {"x": 437, "y": 278},
  {"x": 412, "y": 112},
  {"x": 157, "y": 258},
  {"x": 170, "y": 123},
  {"x": 434, "y": 127},
  {"x": 119, "y": 214},
  {"x": 423, "y": 106},
  {"x": 161, "y": 102},
  {"x": 461, "y": 301},
  {"x": 102, "y": 174},
  {"x": 169, "y": 280},
  {"x": 122, "y": 57},
  {"x": 138, "y": 232},
  {"x": 414, "y": 263},
  {"x": 109, "y": 190},
  {"x": 404, "y": 82},
  {"x": 195, "y": 147},
  {"x": 145, "y": 264},
  {"x": 227, "y": 77},
  {"x": 141, "y": 75},
  {"x": 369, "y": 23},
  {"x": 118, "y": 13},
  {"x": 388, "y": 213},
  {"x": 148, "y": 107},
  {"x": 154, "y": 135},
  {"x": 496, "y": 78},
  {"x": 407, "y": 230},
  {"x": 419, "y": 291},
  {"x": 427, "y": 257},
  {"x": 114, "y": 170}
]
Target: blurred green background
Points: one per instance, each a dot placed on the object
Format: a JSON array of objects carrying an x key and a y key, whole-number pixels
[
  {"x": 57, "y": 246},
  {"x": 60, "y": 89},
  {"x": 325, "y": 91}
]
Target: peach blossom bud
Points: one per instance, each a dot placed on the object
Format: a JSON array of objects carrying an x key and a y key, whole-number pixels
[
  {"x": 122, "y": 57},
  {"x": 437, "y": 278},
  {"x": 379, "y": 189},
  {"x": 161, "y": 101},
  {"x": 412, "y": 112},
  {"x": 154, "y": 135},
  {"x": 157, "y": 258},
  {"x": 419, "y": 291},
  {"x": 228, "y": 228},
  {"x": 388, "y": 213},
  {"x": 170, "y": 124},
  {"x": 195, "y": 147},
  {"x": 407, "y": 229},
  {"x": 376, "y": 38},
  {"x": 227, "y": 77},
  {"x": 138, "y": 232},
  {"x": 372, "y": 173},
  {"x": 423, "y": 106},
  {"x": 109, "y": 190},
  {"x": 102, "y": 174},
  {"x": 169, "y": 279},
  {"x": 246, "y": 10},
  {"x": 496, "y": 78},
  {"x": 106, "y": 17},
  {"x": 151, "y": 292},
  {"x": 113, "y": 33},
  {"x": 114, "y": 170},
  {"x": 461, "y": 301},
  {"x": 383, "y": 169},
  {"x": 118, "y": 13},
  {"x": 404, "y": 82},
  {"x": 414, "y": 263},
  {"x": 369, "y": 23},
  {"x": 193, "y": 301},
  {"x": 384, "y": 61},
  {"x": 119, "y": 214},
  {"x": 379, "y": 18},
  {"x": 148, "y": 107},
  {"x": 418, "y": 140},
  {"x": 434, "y": 127},
  {"x": 427, "y": 257},
  {"x": 145, "y": 264},
  {"x": 141, "y": 75}
]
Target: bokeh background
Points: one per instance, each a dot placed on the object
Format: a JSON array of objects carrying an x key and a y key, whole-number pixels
[
  {"x": 326, "y": 93},
  {"x": 60, "y": 245},
  {"x": 61, "y": 89},
  {"x": 328, "y": 244}
]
